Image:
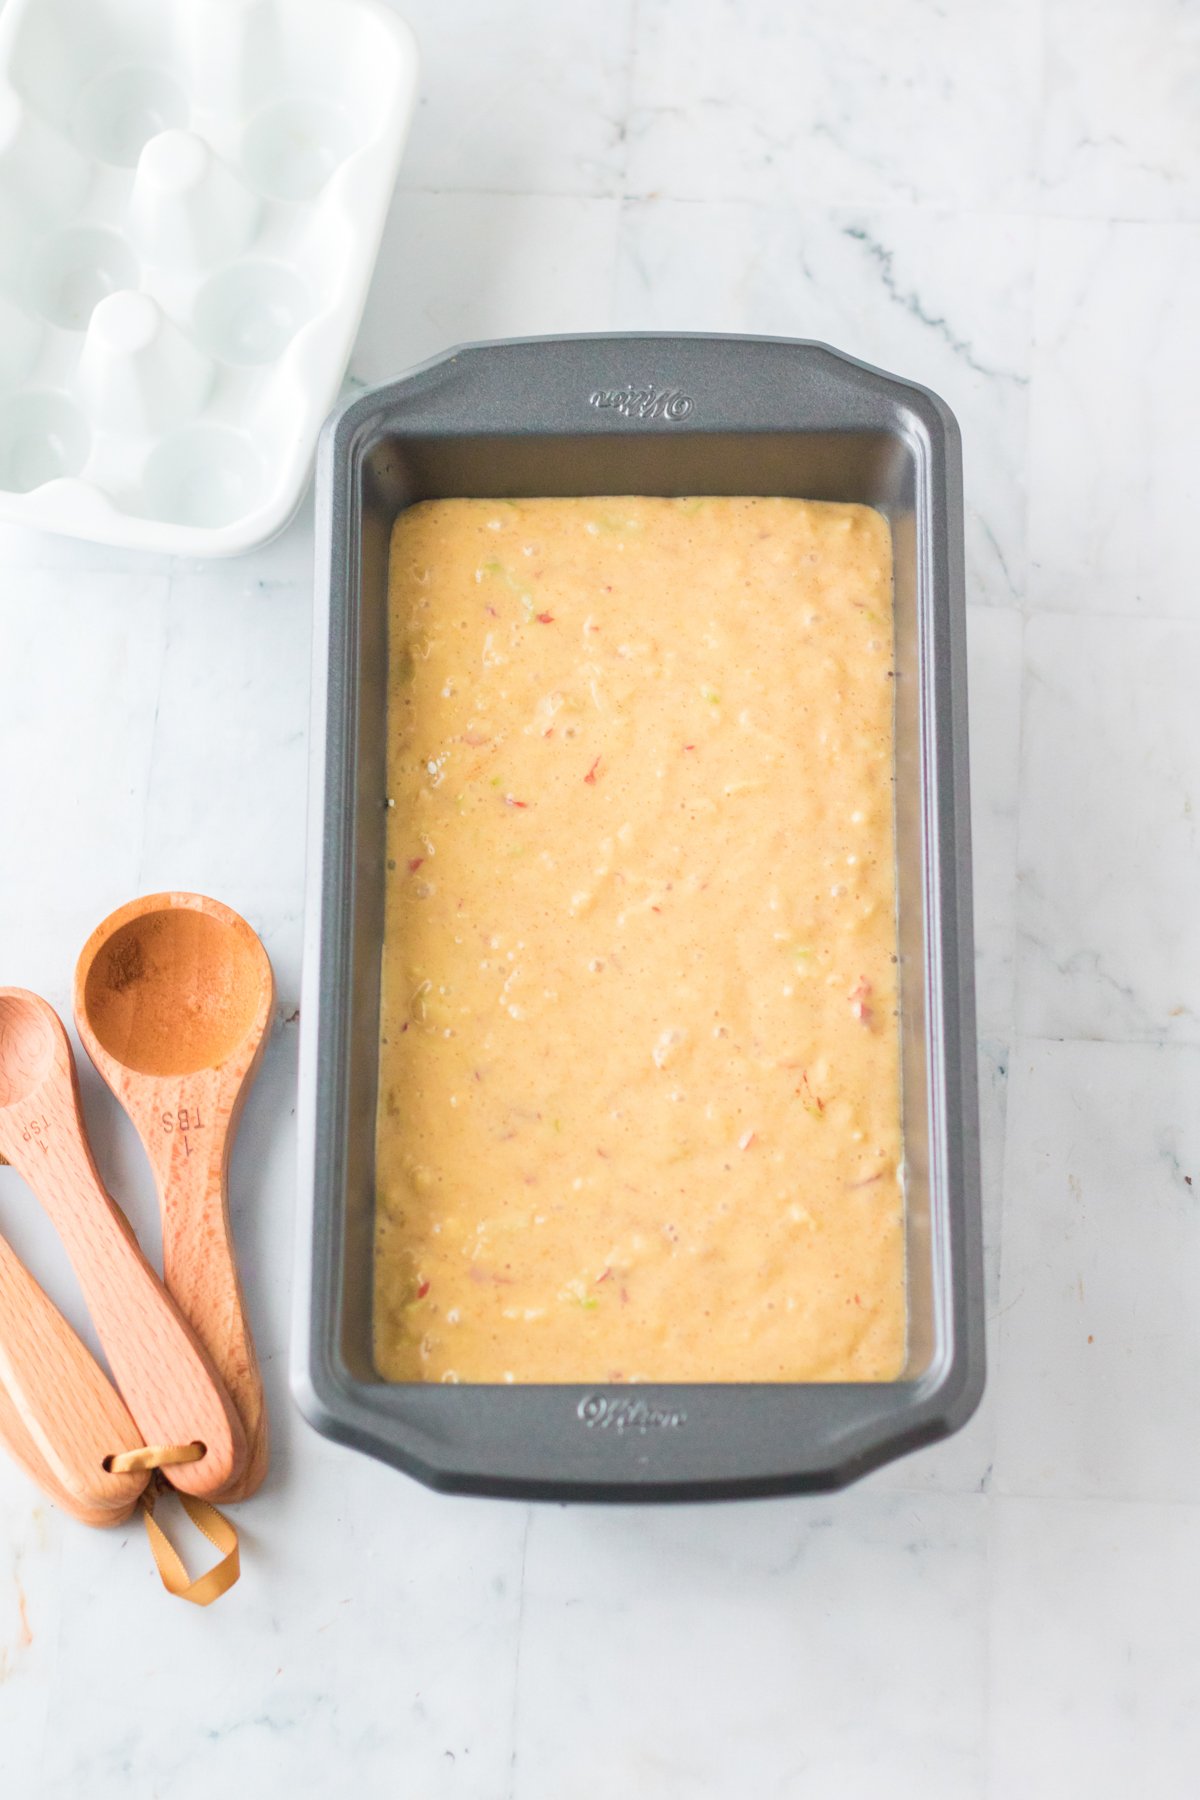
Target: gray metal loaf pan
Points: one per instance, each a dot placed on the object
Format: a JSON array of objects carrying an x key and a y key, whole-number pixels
[{"x": 637, "y": 415}]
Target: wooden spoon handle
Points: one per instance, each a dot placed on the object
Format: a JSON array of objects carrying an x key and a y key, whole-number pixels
[
  {"x": 173, "y": 1000},
  {"x": 59, "y": 1415},
  {"x": 186, "y": 1124},
  {"x": 20, "y": 1446},
  {"x": 165, "y": 1377}
]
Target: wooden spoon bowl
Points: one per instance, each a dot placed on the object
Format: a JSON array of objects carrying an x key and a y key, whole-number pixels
[
  {"x": 26, "y": 1047},
  {"x": 173, "y": 990},
  {"x": 173, "y": 998}
]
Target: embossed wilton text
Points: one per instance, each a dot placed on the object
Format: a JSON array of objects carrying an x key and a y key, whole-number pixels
[
  {"x": 643, "y": 402},
  {"x": 626, "y": 1415}
]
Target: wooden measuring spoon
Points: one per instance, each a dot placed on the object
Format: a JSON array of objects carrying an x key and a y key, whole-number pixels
[
  {"x": 173, "y": 996},
  {"x": 164, "y": 1374},
  {"x": 60, "y": 1416}
]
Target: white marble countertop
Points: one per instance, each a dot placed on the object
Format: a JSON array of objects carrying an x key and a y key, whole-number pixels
[{"x": 1002, "y": 201}]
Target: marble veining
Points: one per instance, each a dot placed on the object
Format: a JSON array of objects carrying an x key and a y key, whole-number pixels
[
  {"x": 1003, "y": 202},
  {"x": 909, "y": 283}
]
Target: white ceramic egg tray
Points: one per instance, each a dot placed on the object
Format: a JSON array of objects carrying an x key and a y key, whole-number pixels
[{"x": 191, "y": 198}]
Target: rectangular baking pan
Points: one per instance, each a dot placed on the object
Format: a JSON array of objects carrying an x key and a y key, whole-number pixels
[{"x": 637, "y": 415}]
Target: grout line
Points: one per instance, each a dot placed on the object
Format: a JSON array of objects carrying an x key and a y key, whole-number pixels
[
  {"x": 164, "y": 616},
  {"x": 516, "y": 1676},
  {"x": 1115, "y": 1043},
  {"x": 987, "y": 1625},
  {"x": 1013, "y": 947},
  {"x": 1022, "y": 1496},
  {"x": 52, "y": 1684},
  {"x": 621, "y": 188},
  {"x": 1093, "y": 1500},
  {"x": 780, "y": 202},
  {"x": 631, "y": 50},
  {"x": 1041, "y": 109}
]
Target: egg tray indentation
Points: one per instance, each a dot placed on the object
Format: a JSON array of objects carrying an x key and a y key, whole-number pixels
[{"x": 191, "y": 195}]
